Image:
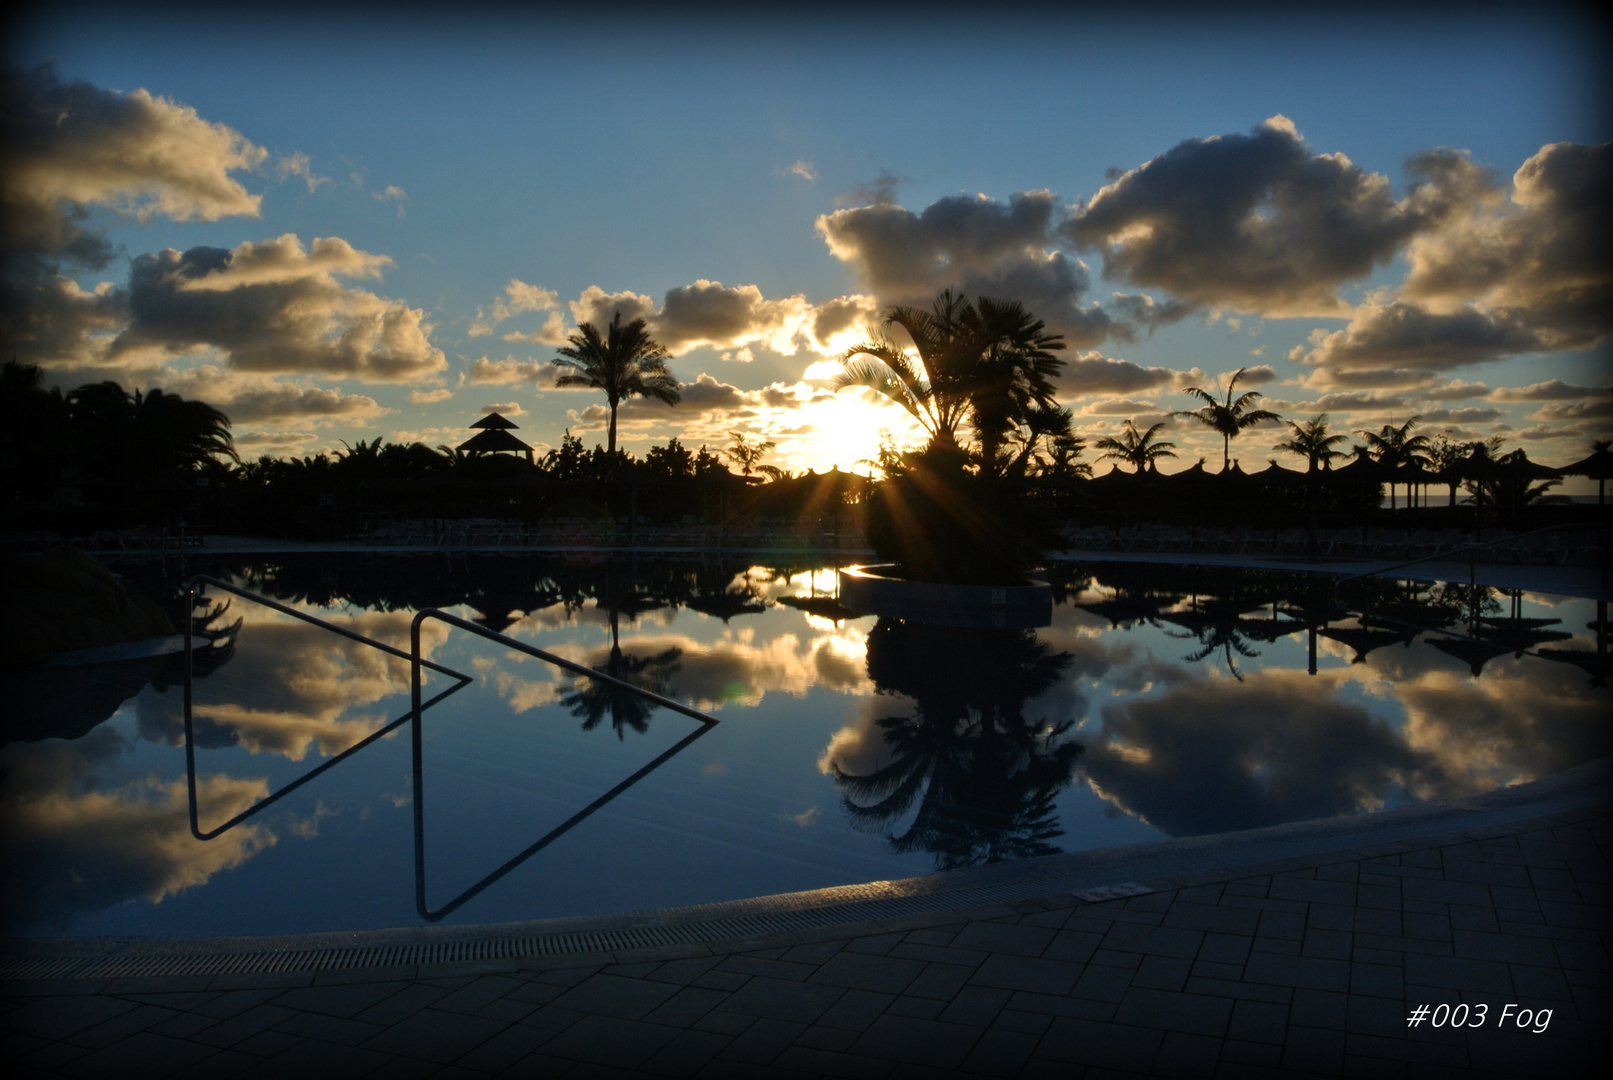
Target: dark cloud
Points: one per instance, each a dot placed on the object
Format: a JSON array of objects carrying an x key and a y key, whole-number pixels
[
  {"x": 1473, "y": 414},
  {"x": 880, "y": 191},
  {"x": 1093, "y": 373},
  {"x": 1253, "y": 222},
  {"x": 1501, "y": 271},
  {"x": 971, "y": 242},
  {"x": 1217, "y": 755},
  {"x": 274, "y": 307},
  {"x": 70, "y": 146},
  {"x": 1550, "y": 390}
]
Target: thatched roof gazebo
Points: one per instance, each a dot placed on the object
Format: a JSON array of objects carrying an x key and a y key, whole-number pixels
[{"x": 493, "y": 438}]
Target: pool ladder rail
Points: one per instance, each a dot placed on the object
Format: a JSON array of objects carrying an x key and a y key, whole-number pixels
[{"x": 419, "y": 703}]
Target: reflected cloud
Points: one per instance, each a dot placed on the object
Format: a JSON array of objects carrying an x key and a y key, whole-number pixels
[
  {"x": 72, "y": 845},
  {"x": 1216, "y": 755},
  {"x": 291, "y": 686}
]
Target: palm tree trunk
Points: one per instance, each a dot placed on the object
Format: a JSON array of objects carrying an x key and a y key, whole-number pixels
[
  {"x": 610, "y": 439},
  {"x": 1226, "y": 452}
]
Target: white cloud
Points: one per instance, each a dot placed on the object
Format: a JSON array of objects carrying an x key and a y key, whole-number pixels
[{"x": 430, "y": 397}]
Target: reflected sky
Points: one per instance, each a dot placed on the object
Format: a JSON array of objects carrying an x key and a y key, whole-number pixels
[{"x": 1161, "y": 701}]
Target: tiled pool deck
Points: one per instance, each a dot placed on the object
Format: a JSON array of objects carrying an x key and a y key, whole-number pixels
[{"x": 1309, "y": 965}]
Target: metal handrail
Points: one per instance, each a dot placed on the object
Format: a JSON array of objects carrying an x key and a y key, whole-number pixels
[
  {"x": 425, "y": 911},
  {"x": 1466, "y": 548},
  {"x": 462, "y": 681}
]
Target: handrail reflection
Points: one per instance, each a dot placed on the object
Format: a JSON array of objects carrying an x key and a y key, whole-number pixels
[
  {"x": 425, "y": 911},
  {"x": 463, "y": 681}
]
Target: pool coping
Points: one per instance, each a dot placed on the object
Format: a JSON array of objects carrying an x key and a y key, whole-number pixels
[{"x": 756, "y": 922}]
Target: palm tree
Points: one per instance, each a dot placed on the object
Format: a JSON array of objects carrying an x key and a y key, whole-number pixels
[
  {"x": 988, "y": 361},
  {"x": 1228, "y": 418},
  {"x": 1395, "y": 446},
  {"x": 1136, "y": 448},
  {"x": 625, "y": 363},
  {"x": 1312, "y": 441},
  {"x": 748, "y": 452}
]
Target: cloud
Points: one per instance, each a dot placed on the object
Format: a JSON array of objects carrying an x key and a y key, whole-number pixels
[
  {"x": 1550, "y": 390},
  {"x": 506, "y": 408},
  {"x": 509, "y": 371},
  {"x": 430, "y": 397},
  {"x": 1472, "y": 414},
  {"x": 1093, "y": 373},
  {"x": 518, "y": 297},
  {"x": 710, "y": 313},
  {"x": 394, "y": 194},
  {"x": 275, "y": 307},
  {"x": 255, "y": 399},
  {"x": 1255, "y": 223},
  {"x": 879, "y": 191},
  {"x": 1119, "y": 407},
  {"x": 1257, "y": 375},
  {"x": 972, "y": 242},
  {"x": 1457, "y": 390},
  {"x": 298, "y": 164},
  {"x": 1498, "y": 273},
  {"x": 1598, "y": 409},
  {"x": 71, "y": 146},
  {"x": 599, "y": 307},
  {"x": 802, "y": 168}
]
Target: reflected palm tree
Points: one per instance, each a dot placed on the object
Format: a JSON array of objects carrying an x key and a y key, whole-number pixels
[
  {"x": 591, "y": 700},
  {"x": 976, "y": 775},
  {"x": 1217, "y": 625}
]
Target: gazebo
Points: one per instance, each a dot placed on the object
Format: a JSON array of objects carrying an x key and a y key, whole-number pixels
[{"x": 494, "y": 437}]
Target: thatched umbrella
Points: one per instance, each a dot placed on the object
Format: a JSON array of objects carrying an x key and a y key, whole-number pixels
[
  {"x": 494, "y": 437},
  {"x": 1598, "y": 467}
]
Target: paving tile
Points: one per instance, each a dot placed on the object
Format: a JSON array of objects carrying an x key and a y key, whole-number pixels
[
  {"x": 685, "y": 1054},
  {"x": 121, "y": 1026},
  {"x": 1237, "y": 1057},
  {"x": 922, "y": 1008},
  {"x": 612, "y": 995},
  {"x": 1221, "y": 919},
  {"x": 941, "y": 981},
  {"x": 1224, "y": 948},
  {"x": 684, "y": 971},
  {"x": 1288, "y": 887},
  {"x": 1015, "y": 940},
  {"x": 1028, "y": 973},
  {"x": 336, "y": 1029},
  {"x": 763, "y": 1041},
  {"x": 1319, "y": 1009},
  {"x": 1458, "y": 974},
  {"x": 820, "y": 1037},
  {"x": 773, "y": 969},
  {"x": 1076, "y": 946},
  {"x": 808, "y": 1061},
  {"x": 921, "y": 1042},
  {"x": 856, "y": 1009},
  {"x": 609, "y": 1040},
  {"x": 1240, "y": 991},
  {"x": 879, "y": 944},
  {"x": 778, "y": 999},
  {"x": 59, "y": 1017},
  {"x": 1052, "y": 1005},
  {"x": 1258, "y": 1021},
  {"x": 227, "y": 1033},
  {"x": 1187, "y": 1056},
  {"x": 1157, "y": 940},
  {"x": 436, "y": 1036},
  {"x": 1316, "y": 1050},
  {"x": 686, "y": 1006},
  {"x": 1165, "y": 972},
  {"x": 1298, "y": 971},
  {"x": 814, "y": 952},
  {"x": 723, "y": 1023},
  {"x": 863, "y": 971},
  {"x": 1106, "y": 1046},
  {"x": 402, "y": 1005},
  {"x": 1376, "y": 980},
  {"x": 1192, "y": 1013},
  {"x": 1000, "y": 1053},
  {"x": 315, "y": 1058},
  {"x": 1327, "y": 944},
  {"x": 348, "y": 1000},
  {"x": 141, "y": 1055},
  {"x": 471, "y": 997}
]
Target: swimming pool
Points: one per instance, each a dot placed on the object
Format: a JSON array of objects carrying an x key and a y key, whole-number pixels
[{"x": 1161, "y": 701}]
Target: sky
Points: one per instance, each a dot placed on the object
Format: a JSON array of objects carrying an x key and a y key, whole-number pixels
[{"x": 382, "y": 223}]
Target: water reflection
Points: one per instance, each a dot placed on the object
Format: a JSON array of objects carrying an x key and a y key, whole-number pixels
[{"x": 973, "y": 776}]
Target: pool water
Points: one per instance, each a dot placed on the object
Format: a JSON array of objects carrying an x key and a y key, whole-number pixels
[{"x": 1162, "y": 701}]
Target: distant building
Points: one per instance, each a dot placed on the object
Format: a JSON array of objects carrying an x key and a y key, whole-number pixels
[{"x": 494, "y": 438}]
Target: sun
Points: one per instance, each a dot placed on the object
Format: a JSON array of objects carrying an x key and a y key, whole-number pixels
[{"x": 844, "y": 432}]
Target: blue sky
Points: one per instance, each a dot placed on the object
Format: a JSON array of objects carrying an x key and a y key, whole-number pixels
[{"x": 528, "y": 158}]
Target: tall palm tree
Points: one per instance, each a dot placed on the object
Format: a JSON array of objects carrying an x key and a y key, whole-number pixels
[
  {"x": 1013, "y": 375},
  {"x": 1394, "y": 446},
  {"x": 625, "y": 362},
  {"x": 1312, "y": 441},
  {"x": 747, "y": 452},
  {"x": 1228, "y": 418},
  {"x": 1136, "y": 448},
  {"x": 988, "y": 362}
]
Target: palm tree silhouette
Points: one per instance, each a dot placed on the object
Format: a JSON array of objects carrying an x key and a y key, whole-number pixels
[
  {"x": 591, "y": 700},
  {"x": 982, "y": 775},
  {"x": 625, "y": 362},
  {"x": 1228, "y": 418},
  {"x": 146, "y": 435},
  {"x": 1312, "y": 441},
  {"x": 1391, "y": 445},
  {"x": 988, "y": 361},
  {"x": 1139, "y": 449}
]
